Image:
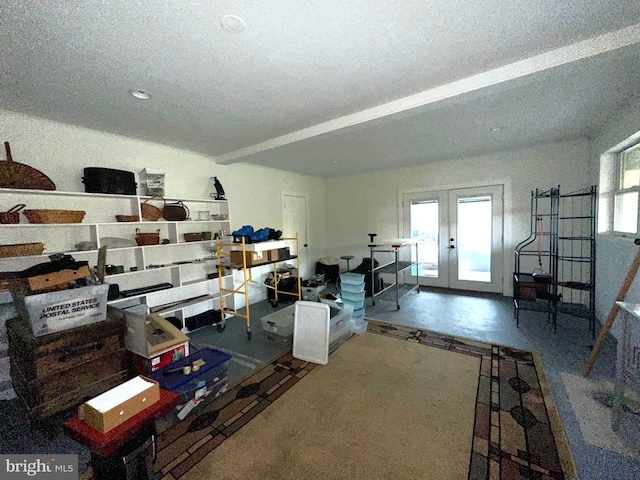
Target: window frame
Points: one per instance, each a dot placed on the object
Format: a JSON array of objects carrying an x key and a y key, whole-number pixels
[{"x": 611, "y": 177}]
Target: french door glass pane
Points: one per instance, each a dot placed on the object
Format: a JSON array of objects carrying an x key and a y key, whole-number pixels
[
  {"x": 424, "y": 228},
  {"x": 474, "y": 239}
]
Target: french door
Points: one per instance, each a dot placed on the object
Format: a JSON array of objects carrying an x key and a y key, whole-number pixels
[{"x": 459, "y": 235}]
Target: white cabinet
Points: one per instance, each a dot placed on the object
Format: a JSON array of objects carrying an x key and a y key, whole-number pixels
[{"x": 185, "y": 265}]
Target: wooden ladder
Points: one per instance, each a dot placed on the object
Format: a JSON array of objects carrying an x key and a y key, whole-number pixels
[{"x": 613, "y": 313}]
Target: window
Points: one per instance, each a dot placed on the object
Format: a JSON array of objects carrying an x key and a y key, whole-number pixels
[{"x": 620, "y": 190}]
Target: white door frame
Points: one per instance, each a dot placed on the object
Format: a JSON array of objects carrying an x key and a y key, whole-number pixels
[
  {"x": 504, "y": 265},
  {"x": 303, "y": 237}
]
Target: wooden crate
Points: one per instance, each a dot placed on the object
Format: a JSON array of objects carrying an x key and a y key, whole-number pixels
[
  {"x": 41, "y": 356},
  {"x": 51, "y": 373},
  {"x": 50, "y": 387},
  {"x": 72, "y": 398}
]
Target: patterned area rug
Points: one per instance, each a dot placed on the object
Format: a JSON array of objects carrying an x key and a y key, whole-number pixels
[{"x": 516, "y": 433}]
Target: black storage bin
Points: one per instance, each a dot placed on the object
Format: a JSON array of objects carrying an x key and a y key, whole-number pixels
[
  {"x": 210, "y": 317},
  {"x": 330, "y": 272},
  {"x": 289, "y": 284},
  {"x": 133, "y": 461},
  {"x": 108, "y": 180},
  {"x": 365, "y": 268}
]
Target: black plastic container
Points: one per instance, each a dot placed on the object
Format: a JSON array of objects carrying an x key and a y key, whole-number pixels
[{"x": 108, "y": 180}]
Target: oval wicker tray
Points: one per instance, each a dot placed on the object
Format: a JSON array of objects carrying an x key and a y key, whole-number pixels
[
  {"x": 21, "y": 250},
  {"x": 54, "y": 216},
  {"x": 127, "y": 218}
]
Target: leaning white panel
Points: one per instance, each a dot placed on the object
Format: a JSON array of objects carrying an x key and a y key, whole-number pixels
[{"x": 311, "y": 332}]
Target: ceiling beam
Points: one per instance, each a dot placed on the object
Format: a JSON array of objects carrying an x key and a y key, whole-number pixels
[{"x": 571, "y": 53}]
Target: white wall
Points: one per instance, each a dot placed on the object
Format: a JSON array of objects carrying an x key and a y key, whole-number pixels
[
  {"x": 614, "y": 254},
  {"x": 341, "y": 211},
  {"x": 62, "y": 151},
  {"x": 361, "y": 204}
]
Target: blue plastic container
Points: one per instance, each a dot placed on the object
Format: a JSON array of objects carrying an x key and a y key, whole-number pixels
[
  {"x": 172, "y": 378},
  {"x": 352, "y": 278}
]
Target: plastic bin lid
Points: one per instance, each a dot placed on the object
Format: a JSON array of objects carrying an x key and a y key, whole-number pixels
[
  {"x": 172, "y": 381},
  {"x": 311, "y": 332}
]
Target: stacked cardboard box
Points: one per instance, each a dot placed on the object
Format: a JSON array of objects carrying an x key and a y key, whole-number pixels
[{"x": 154, "y": 341}]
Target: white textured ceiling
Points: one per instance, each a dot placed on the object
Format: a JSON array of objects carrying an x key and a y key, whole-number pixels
[{"x": 324, "y": 87}]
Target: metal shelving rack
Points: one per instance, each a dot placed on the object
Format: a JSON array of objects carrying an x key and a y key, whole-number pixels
[
  {"x": 538, "y": 292},
  {"x": 395, "y": 267},
  {"x": 577, "y": 254},
  {"x": 562, "y": 240}
]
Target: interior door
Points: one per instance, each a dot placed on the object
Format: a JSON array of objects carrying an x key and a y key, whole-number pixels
[
  {"x": 460, "y": 237},
  {"x": 294, "y": 221}
]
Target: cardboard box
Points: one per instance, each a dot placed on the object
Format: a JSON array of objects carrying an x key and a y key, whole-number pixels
[
  {"x": 262, "y": 246},
  {"x": 146, "y": 366},
  {"x": 56, "y": 311},
  {"x": 116, "y": 406},
  {"x": 57, "y": 280},
  {"x": 253, "y": 258},
  {"x": 273, "y": 255},
  {"x": 149, "y": 335}
]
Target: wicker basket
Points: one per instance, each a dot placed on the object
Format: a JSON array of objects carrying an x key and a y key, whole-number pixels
[
  {"x": 151, "y": 212},
  {"x": 127, "y": 218},
  {"x": 54, "y": 216},
  {"x": 21, "y": 250},
  {"x": 12, "y": 215},
  {"x": 143, "y": 238},
  {"x": 192, "y": 237}
]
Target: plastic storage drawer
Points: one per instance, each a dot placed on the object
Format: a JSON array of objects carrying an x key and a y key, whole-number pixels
[
  {"x": 340, "y": 335},
  {"x": 280, "y": 322},
  {"x": 338, "y": 317},
  {"x": 349, "y": 278},
  {"x": 359, "y": 326},
  {"x": 354, "y": 299},
  {"x": 352, "y": 289}
]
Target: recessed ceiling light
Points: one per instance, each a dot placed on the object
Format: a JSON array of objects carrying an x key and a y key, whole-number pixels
[
  {"x": 233, "y": 24},
  {"x": 141, "y": 94}
]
